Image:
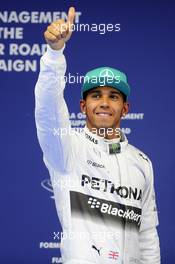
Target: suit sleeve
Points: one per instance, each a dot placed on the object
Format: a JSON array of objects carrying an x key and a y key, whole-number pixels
[
  {"x": 51, "y": 113},
  {"x": 149, "y": 240}
]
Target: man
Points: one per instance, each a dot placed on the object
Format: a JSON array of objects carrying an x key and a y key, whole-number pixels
[{"x": 103, "y": 186}]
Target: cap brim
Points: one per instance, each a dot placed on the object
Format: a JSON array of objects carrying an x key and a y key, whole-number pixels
[{"x": 100, "y": 82}]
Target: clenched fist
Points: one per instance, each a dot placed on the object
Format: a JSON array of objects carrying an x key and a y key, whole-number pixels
[{"x": 60, "y": 31}]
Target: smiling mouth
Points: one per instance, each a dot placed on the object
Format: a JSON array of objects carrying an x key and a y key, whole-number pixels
[{"x": 103, "y": 114}]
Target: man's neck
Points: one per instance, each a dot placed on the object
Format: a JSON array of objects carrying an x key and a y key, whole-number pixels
[{"x": 107, "y": 133}]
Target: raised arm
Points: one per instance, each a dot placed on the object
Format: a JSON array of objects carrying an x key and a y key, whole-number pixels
[{"x": 51, "y": 113}]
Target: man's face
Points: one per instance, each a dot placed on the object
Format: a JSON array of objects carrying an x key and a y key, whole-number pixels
[{"x": 104, "y": 107}]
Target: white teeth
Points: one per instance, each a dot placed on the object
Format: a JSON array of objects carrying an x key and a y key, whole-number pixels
[{"x": 104, "y": 114}]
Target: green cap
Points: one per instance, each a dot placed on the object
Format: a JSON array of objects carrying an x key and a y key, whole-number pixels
[{"x": 106, "y": 76}]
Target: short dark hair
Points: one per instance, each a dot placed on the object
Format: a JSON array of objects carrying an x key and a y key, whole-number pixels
[{"x": 86, "y": 93}]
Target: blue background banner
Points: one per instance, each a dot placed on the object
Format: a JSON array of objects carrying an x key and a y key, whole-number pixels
[{"x": 139, "y": 41}]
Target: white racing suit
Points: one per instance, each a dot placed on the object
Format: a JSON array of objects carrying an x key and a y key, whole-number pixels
[{"x": 105, "y": 202}]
